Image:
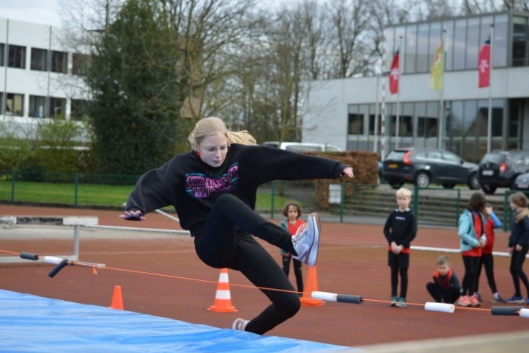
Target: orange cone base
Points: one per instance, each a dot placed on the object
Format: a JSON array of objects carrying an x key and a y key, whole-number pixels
[
  {"x": 223, "y": 309},
  {"x": 311, "y": 302}
]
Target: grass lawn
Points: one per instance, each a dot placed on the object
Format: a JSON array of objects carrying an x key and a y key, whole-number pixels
[{"x": 93, "y": 195}]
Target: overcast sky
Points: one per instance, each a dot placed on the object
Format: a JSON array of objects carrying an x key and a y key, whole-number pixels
[{"x": 48, "y": 11}]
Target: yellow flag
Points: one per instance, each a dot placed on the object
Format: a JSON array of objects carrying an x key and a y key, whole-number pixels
[{"x": 436, "y": 74}]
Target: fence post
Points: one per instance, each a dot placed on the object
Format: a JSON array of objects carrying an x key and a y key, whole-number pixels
[
  {"x": 272, "y": 200},
  {"x": 13, "y": 183},
  {"x": 506, "y": 211},
  {"x": 458, "y": 206},
  {"x": 416, "y": 202},
  {"x": 76, "y": 189},
  {"x": 342, "y": 201}
]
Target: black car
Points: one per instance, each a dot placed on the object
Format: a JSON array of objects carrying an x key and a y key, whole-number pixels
[
  {"x": 422, "y": 166},
  {"x": 501, "y": 168}
]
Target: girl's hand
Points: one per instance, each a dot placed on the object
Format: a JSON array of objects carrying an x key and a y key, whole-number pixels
[
  {"x": 348, "y": 172},
  {"x": 518, "y": 247},
  {"x": 510, "y": 251},
  {"x": 132, "y": 216}
]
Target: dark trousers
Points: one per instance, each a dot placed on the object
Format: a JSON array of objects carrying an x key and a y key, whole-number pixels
[
  {"x": 442, "y": 295},
  {"x": 516, "y": 269},
  {"x": 399, "y": 263},
  {"x": 226, "y": 241},
  {"x": 487, "y": 261},
  {"x": 297, "y": 270},
  {"x": 470, "y": 279}
]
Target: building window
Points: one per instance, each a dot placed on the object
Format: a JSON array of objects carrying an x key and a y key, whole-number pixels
[
  {"x": 14, "y": 104},
  {"x": 59, "y": 62},
  {"x": 39, "y": 60},
  {"x": 37, "y": 106},
  {"x": 356, "y": 124},
  {"x": 2, "y": 48},
  {"x": 78, "y": 109},
  {"x": 519, "y": 41},
  {"x": 16, "y": 57},
  {"x": 57, "y": 107},
  {"x": 79, "y": 63}
]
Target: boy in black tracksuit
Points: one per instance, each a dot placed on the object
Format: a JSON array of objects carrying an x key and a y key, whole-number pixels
[
  {"x": 445, "y": 287},
  {"x": 400, "y": 229}
]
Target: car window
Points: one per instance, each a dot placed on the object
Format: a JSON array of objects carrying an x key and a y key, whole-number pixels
[
  {"x": 434, "y": 154},
  {"x": 396, "y": 155},
  {"x": 299, "y": 148},
  {"x": 420, "y": 154},
  {"x": 451, "y": 157},
  {"x": 493, "y": 158}
]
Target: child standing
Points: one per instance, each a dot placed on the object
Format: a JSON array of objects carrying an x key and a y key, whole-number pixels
[
  {"x": 471, "y": 232},
  {"x": 291, "y": 224},
  {"x": 445, "y": 287},
  {"x": 400, "y": 229},
  {"x": 518, "y": 245},
  {"x": 487, "y": 259}
]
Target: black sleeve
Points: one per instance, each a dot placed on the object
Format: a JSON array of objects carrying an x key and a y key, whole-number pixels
[
  {"x": 412, "y": 232},
  {"x": 151, "y": 192},
  {"x": 387, "y": 228},
  {"x": 277, "y": 164}
]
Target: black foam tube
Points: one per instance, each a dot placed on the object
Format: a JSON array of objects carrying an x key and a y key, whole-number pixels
[
  {"x": 29, "y": 256},
  {"x": 57, "y": 268}
]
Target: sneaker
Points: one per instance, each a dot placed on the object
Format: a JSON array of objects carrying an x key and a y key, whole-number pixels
[
  {"x": 474, "y": 302},
  {"x": 401, "y": 302},
  {"x": 463, "y": 301},
  {"x": 496, "y": 298},
  {"x": 240, "y": 324},
  {"x": 394, "y": 300},
  {"x": 515, "y": 300},
  {"x": 527, "y": 301},
  {"x": 307, "y": 242},
  {"x": 478, "y": 297}
]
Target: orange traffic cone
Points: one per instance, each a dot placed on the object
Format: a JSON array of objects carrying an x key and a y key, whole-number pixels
[
  {"x": 117, "y": 299},
  {"x": 222, "y": 297},
  {"x": 311, "y": 284}
]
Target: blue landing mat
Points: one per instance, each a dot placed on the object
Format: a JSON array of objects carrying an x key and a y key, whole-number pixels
[{"x": 35, "y": 324}]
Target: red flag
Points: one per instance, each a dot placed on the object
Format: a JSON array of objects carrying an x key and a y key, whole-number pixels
[
  {"x": 484, "y": 65},
  {"x": 394, "y": 74}
]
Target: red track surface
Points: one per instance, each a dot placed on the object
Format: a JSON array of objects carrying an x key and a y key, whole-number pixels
[{"x": 164, "y": 277}]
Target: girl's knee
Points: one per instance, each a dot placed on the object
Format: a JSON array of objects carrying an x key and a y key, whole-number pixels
[{"x": 290, "y": 305}]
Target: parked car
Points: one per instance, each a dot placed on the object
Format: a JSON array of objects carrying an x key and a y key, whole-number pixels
[
  {"x": 423, "y": 166},
  {"x": 521, "y": 183},
  {"x": 501, "y": 168},
  {"x": 303, "y": 146}
]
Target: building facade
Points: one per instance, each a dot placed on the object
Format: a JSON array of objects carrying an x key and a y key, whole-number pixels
[
  {"x": 361, "y": 114},
  {"x": 38, "y": 75}
]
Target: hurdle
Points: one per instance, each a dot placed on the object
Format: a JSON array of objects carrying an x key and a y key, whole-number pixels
[{"x": 10, "y": 222}]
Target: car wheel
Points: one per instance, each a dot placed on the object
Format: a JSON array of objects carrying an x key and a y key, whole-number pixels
[
  {"x": 488, "y": 189},
  {"x": 422, "y": 179},
  {"x": 396, "y": 185},
  {"x": 448, "y": 186},
  {"x": 473, "y": 182}
]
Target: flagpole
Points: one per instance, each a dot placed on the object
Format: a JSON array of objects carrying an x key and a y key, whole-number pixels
[
  {"x": 489, "y": 115},
  {"x": 441, "y": 100},
  {"x": 401, "y": 69}
]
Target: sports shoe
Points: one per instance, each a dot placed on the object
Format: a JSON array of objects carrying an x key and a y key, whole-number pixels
[
  {"x": 496, "y": 298},
  {"x": 463, "y": 301},
  {"x": 394, "y": 300},
  {"x": 478, "y": 297},
  {"x": 307, "y": 242},
  {"x": 240, "y": 324},
  {"x": 474, "y": 302},
  {"x": 515, "y": 300},
  {"x": 401, "y": 302},
  {"x": 527, "y": 301}
]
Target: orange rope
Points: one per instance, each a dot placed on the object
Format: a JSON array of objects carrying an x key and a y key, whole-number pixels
[{"x": 154, "y": 274}]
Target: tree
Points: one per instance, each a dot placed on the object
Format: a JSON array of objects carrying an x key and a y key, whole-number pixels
[{"x": 134, "y": 87}]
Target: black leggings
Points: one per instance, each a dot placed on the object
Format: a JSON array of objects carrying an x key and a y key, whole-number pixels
[
  {"x": 226, "y": 241},
  {"x": 470, "y": 279},
  {"x": 297, "y": 270},
  {"x": 487, "y": 261},
  {"x": 516, "y": 268},
  {"x": 442, "y": 295}
]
